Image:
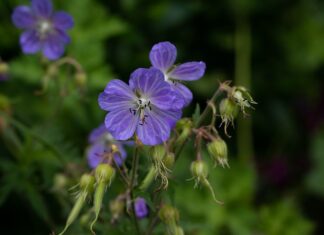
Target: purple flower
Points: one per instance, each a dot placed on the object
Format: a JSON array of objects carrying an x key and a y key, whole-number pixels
[
  {"x": 141, "y": 209},
  {"x": 163, "y": 56},
  {"x": 45, "y": 30},
  {"x": 148, "y": 106},
  {"x": 101, "y": 142}
]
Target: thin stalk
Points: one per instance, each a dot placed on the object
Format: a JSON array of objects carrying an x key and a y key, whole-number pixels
[{"x": 131, "y": 187}]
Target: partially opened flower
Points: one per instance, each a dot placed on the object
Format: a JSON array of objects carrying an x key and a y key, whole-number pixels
[
  {"x": 163, "y": 56},
  {"x": 102, "y": 144},
  {"x": 147, "y": 106},
  {"x": 45, "y": 30},
  {"x": 141, "y": 208}
]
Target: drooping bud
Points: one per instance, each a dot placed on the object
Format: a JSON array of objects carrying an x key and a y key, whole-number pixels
[
  {"x": 168, "y": 160},
  {"x": 60, "y": 182},
  {"x": 199, "y": 170},
  {"x": 168, "y": 214},
  {"x": 80, "y": 78},
  {"x": 228, "y": 111},
  {"x": 243, "y": 98},
  {"x": 104, "y": 175},
  {"x": 161, "y": 170},
  {"x": 86, "y": 184},
  {"x": 218, "y": 150},
  {"x": 170, "y": 217},
  {"x": 150, "y": 176}
]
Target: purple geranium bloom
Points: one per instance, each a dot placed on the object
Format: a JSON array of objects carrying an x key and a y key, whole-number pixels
[
  {"x": 45, "y": 30},
  {"x": 163, "y": 56},
  {"x": 148, "y": 106},
  {"x": 141, "y": 209},
  {"x": 101, "y": 142}
]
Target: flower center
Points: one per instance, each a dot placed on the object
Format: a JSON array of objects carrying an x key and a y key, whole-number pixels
[
  {"x": 141, "y": 104},
  {"x": 44, "y": 27}
]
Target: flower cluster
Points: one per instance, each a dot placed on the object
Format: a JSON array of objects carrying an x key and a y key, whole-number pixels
[
  {"x": 45, "y": 30},
  {"x": 152, "y": 102}
]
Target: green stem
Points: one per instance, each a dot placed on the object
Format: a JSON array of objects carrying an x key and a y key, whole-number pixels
[
  {"x": 148, "y": 178},
  {"x": 131, "y": 187}
]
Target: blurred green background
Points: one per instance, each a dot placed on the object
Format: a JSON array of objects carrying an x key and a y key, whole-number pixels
[{"x": 273, "y": 47}]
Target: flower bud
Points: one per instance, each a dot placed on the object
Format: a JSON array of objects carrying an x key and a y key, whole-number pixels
[
  {"x": 199, "y": 169},
  {"x": 179, "y": 231},
  {"x": 242, "y": 97},
  {"x": 228, "y": 111},
  {"x": 158, "y": 152},
  {"x": 86, "y": 186},
  {"x": 218, "y": 150},
  {"x": 80, "y": 78},
  {"x": 168, "y": 214},
  {"x": 168, "y": 160},
  {"x": 104, "y": 173},
  {"x": 87, "y": 183},
  {"x": 60, "y": 182}
]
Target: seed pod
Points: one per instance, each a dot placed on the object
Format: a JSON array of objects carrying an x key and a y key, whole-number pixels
[
  {"x": 218, "y": 150},
  {"x": 168, "y": 160},
  {"x": 104, "y": 175},
  {"x": 199, "y": 170},
  {"x": 86, "y": 184},
  {"x": 228, "y": 111},
  {"x": 168, "y": 214}
]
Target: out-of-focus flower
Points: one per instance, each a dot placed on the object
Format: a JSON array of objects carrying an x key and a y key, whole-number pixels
[
  {"x": 45, "y": 30},
  {"x": 141, "y": 209},
  {"x": 148, "y": 106},
  {"x": 163, "y": 56},
  {"x": 102, "y": 143}
]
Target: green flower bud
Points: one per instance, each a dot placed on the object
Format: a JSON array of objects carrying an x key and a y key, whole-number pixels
[
  {"x": 86, "y": 186},
  {"x": 228, "y": 111},
  {"x": 242, "y": 97},
  {"x": 158, "y": 152},
  {"x": 105, "y": 173},
  {"x": 87, "y": 183},
  {"x": 218, "y": 150},
  {"x": 81, "y": 78},
  {"x": 168, "y": 214},
  {"x": 168, "y": 160},
  {"x": 199, "y": 169},
  {"x": 60, "y": 182}
]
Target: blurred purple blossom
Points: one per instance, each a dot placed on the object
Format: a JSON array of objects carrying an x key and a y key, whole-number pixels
[
  {"x": 141, "y": 209},
  {"x": 44, "y": 29},
  {"x": 147, "y": 106},
  {"x": 163, "y": 56},
  {"x": 101, "y": 142}
]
